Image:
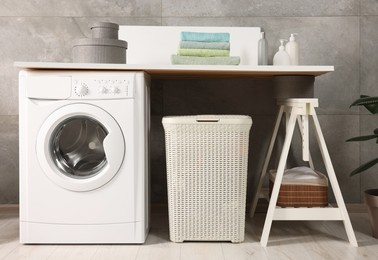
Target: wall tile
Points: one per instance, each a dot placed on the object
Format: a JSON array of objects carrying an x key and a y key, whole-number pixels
[
  {"x": 157, "y": 97},
  {"x": 336, "y": 45},
  {"x": 259, "y": 139},
  {"x": 260, "y": 8},
  {"x": 369, "y": 7},
  {"x": 9, "y": 159},
  {"x": 157, "y": 138},
  {"x": 80, "y": 8},
  {"x": 85, "y": 23},
  {"x": 368, "y": 151},
  {"x": 31, "y": 39},
  {"x": 218, "y": 96},
  {"x": 369, "y": 56},
  {"x": 158, "y": 163}
]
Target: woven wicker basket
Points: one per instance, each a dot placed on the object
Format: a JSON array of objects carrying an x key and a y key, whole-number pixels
[
  {"x": 207, "y": 158},
  {"x": 301, "y": 193}
]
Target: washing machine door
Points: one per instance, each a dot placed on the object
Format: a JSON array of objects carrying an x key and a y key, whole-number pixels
[{"x": 80, "y": 147}]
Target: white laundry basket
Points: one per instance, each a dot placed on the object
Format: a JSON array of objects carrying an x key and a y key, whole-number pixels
[{"x": 207, "y": 159}]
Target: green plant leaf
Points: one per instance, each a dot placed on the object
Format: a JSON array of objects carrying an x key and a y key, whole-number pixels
[
  {"x": 362, "y": 138},
  {"x": 364, "y": 167},
  {"x": 370, "y": 103}
]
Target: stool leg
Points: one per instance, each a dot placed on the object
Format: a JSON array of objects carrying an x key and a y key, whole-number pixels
[
  {"x": 305, "y": 138},
  {"x": 333, "y": 180},
  {"x": 301, "y": 129},
  {"x": 266, "y": 163},
  {"x": 278, "y": 179}
]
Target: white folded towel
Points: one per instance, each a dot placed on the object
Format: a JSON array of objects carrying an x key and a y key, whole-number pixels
[
  {"x": 301, "y": 176},
  {"x": 304, "y": 173}
]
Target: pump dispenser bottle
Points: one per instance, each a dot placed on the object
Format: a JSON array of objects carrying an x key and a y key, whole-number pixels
[
  {"x": 292, "y": 49},
  {"x": 281, "y": 57},
  {"x": 263, "y": 50}
]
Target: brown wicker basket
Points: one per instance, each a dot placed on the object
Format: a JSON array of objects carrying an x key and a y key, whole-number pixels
[{"x": 301, "y": 193}]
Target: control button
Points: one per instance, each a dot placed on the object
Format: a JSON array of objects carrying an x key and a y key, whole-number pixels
[
  {"x": 114, "y": 90},
  {"x": 102, "y": 90},
  {"x": 81, "y": 90}
]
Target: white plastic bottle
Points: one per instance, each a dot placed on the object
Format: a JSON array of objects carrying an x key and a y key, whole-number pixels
[
  {"x": 292, "y": 49},
  {"x": 281, "y": 57},
  {"x": 263, "y": 50}
]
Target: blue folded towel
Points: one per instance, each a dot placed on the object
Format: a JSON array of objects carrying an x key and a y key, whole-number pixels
[{"x": 205, "y": 37}]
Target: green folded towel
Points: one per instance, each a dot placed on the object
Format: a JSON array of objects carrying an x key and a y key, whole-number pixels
[
  {"x": 205, "y": 45},
  {"x": 205, "y": 37},
  {"x": 203, "y": 52},
  {"x": 193, "y": 60}
]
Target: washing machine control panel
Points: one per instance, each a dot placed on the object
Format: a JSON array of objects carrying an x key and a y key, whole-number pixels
[{"x": 102, "y": 88}]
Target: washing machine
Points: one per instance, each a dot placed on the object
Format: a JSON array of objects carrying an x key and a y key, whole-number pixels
[{"x": 84, "y": 171}]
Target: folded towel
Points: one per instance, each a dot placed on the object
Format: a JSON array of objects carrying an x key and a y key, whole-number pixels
[
  {"x": 301, "y": 176},
  {"x": 205, "y": 37},
  {"x": 300, "y": 173},
  {"x": 205, "y": 45},
  {"x": 203, "y": 52},
  {"x": 193, "y": 60}
]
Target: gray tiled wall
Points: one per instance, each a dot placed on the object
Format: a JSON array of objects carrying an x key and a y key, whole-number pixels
[{"x": 341, "y": 33}]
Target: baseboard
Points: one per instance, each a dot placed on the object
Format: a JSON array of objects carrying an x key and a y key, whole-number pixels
[{"x": 9, "y": 209}]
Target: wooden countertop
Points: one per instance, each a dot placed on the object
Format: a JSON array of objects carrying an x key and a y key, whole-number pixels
[{"x": 187, "y": 71}]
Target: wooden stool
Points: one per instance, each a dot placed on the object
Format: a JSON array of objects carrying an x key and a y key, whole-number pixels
[{"x": 300, "y": 109}]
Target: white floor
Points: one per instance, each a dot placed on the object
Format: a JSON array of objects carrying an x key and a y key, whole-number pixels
[{"x": 288, "y": 240}]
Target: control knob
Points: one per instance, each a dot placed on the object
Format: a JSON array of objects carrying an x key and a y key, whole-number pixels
[
  {"x": 81, "y": 90},
  {"x": 102, "y": 90},
  {"x": 114, "y": 90}
]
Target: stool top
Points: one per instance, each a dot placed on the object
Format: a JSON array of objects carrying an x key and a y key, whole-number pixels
[{"x": 288, "y": 101}]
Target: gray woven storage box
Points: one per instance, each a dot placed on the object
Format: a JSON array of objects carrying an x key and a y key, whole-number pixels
[
  {"x": 93, "y": 50},
  {"x": 103, "y": 47},
  {"x": 105, "y": 30},
  {"x": 207, "y": 159}
]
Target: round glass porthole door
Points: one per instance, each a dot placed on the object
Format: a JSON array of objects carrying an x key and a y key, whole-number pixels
[
  {"x": 77, "y": 147},
  {"x": 80, "y": 147}
]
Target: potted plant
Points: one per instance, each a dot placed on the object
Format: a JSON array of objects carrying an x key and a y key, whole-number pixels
[{"x": 371, "y": 196}]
